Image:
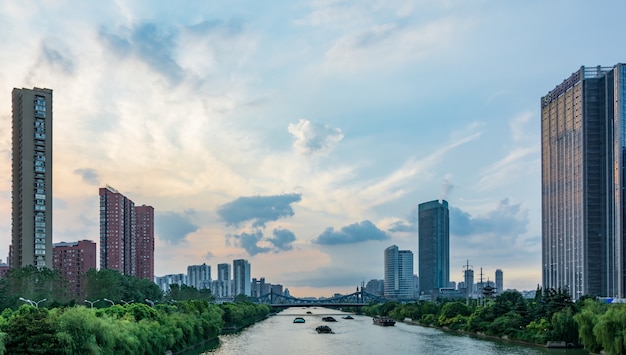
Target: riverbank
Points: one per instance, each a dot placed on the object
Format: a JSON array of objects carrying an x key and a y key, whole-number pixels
[{"x": 551, "y": 345}]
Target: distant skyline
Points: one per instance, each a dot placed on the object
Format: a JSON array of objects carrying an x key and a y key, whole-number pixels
[{"x": 302, "y": 135}]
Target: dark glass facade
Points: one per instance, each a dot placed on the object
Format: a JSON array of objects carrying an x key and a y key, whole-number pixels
[
  {"x": 433, "y": 246},
  {"x": 582, "y": 125}
]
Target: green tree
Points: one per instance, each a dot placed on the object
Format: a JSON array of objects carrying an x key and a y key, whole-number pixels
[
  {"x": 564, "y": 328},
  {"x": 31, "y": 331},
  {"x": 586, "y": 320},
  {"x": 610, "y": 329}
]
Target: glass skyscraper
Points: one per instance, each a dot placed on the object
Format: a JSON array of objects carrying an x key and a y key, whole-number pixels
[
  {"x": 583, "y": 138},
  {"x": 31, "y": 214},
  {"x": 433, "y": 246}
]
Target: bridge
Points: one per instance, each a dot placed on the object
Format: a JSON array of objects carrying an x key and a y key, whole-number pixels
[{"x": 357, "y": 299}]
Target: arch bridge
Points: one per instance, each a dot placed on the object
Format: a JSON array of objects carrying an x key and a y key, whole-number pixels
[{"x": 357, "y": 299}]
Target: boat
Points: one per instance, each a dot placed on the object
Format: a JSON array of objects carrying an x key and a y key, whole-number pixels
[
  {"x": 299, "y": 320},
  {"x": 384, "y": 321},
  {"x": 329, "y": 319},
  {"x": 323, "y": 329},
  {"x": 348, "y": 317}
]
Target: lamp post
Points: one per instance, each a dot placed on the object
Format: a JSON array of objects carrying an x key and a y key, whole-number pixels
[
  {"x": 27, "y": 301},
  {"x": 38, "y": 302},
  {"x": 111, "y": 302},
  {"x": 150, "y": 302},
  {"x": 91, "y": 303},
  {"x": 127, "y": 302}
]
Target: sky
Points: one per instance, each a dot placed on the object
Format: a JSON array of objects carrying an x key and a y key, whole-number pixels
[{"x": 302, "y": 135}]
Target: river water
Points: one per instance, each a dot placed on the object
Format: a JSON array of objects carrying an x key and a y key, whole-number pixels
[{"x": 279, "y": 335}]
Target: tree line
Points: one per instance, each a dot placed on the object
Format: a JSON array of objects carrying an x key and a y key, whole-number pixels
[
  {"x": 124, "y": 324},
  {"x": 550, "y": 316}
]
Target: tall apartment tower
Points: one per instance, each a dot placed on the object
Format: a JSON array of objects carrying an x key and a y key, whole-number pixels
[
  {"x": 126, "y": 235},
  {"x": 223, "y": 288},
  {"x": 241, "y": 277},
  {"x": 433, "y": 246},
  {"x": 73, "y": 260},
  {"x": 583, "y": 140},
  {"x": 499, "y": 281},
  {"x": 199, "y": 276},
  {"x": 117, "y": 217},
  {"x": 32, "y": 178},
  {"x": 144, "y": 242},
  {"x": 398, "y": 282}
]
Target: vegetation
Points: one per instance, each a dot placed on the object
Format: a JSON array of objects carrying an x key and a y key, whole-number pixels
[
  {"x": 62, "y": 324},
  {"x": 550, "y": 316}
]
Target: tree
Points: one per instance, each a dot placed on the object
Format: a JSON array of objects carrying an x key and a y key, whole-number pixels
[{"x": 31, "y": 331}]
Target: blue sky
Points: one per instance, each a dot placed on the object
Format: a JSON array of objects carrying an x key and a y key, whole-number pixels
[{"x": 301, "y": 135}]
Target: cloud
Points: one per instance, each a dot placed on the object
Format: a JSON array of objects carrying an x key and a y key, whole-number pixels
[
  {"x": 507, "y": 220},
  {"x": 248, "y": 241},
  {"x": 54, "y": 56},
  {"x": 152, "y": 44},
  {"x": 257, "y": 209},
  {"x": 283, "y": 239},
  {"x": 209, "y": 255},
  {"x": 312, "y": 137},
  {"x": 174, "y": 227},
  {"x": 89, "y": 176},
  {"x": 354, "y": 233}
]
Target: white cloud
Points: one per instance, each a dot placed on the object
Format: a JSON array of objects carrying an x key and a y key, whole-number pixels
[{"x": 314, "y": 138}]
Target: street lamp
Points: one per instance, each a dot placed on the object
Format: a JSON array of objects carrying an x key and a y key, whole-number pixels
[
  {"x": 127, "y": 302},
  {"x": 111, "y": 302},
  {"x": 38, "y": 302},
  {"x": 91, "y": 303},
  {"x": 151, "y": 302},
  {"x": 27, "y": 301}
]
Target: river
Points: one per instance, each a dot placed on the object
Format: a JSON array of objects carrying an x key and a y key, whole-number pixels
[{"x": 279, "y": 335}]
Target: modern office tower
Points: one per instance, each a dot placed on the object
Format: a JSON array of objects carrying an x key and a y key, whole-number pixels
[
  {"x": 199, "y": 276},
  {"x": 433, "y": 246},
  {"x": 583, "y": 140},
  {"x": 73, "y": 260},
  {"x": 126, "y": 235},
  {"x": 241, "y": 277},
  {"x": 144, "y": 243},
  {"x": 223, "y": 287},
  {"x": 164, "y": 282},
  {"x": 32, "y": 178},
  {"x": 499, "y": 281},
  {"x": 398, "y": 282}
]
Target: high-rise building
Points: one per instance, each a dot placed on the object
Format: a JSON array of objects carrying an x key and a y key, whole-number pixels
[
  {"x": 165, "y": 281},
  {"x": 583, "y": 126},
  {"x": 223, "y": 287},
  {"x": 398, "y": 282},
  {"x": 241, "y": 277},
  {"x": 199, "y": 276},
  {"x": 499, "y": 281},
  {"x": 433, "y": 246},
  {"x": 117, "y": 217},
  {"x": 144, "y": 243},
  {"x": 73, "y": 260},
  {"x": 32, "y": 178},
  {"x": 468, "y": 276},
  {"x": 126, "y": 235}
]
